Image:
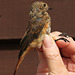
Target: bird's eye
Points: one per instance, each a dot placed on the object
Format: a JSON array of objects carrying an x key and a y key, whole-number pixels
[{"x": 44, "y": 5}]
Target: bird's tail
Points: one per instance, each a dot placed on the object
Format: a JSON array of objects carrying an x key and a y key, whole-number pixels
[{"x": 21, "y": 58}]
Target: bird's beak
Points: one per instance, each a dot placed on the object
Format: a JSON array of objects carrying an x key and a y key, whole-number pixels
[{"x": 49, "y": 8}]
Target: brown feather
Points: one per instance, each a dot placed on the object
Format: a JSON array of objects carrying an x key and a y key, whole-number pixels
[{"x": 21, "y": 58}]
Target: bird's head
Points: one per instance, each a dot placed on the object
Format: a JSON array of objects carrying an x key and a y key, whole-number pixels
[{"x": 38, "y": 6}]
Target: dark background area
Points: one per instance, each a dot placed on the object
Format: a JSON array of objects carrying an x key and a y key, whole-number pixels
[{"x": 14, "y": 18}]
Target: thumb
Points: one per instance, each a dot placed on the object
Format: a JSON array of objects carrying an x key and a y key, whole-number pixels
[{"x": 53, "y": 57}]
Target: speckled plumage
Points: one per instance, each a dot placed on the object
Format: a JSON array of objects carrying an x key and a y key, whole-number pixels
[{"x": 38, "y": 27}]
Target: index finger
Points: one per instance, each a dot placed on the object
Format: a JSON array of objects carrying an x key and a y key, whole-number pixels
[{"x": 67, "y": 48}]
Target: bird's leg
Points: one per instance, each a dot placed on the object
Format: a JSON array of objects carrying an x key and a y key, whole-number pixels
[
  {"x": 64, "y": 34},
  {"x": 64, "y": 39}
]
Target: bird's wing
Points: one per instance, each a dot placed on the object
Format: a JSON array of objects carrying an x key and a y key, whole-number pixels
[{"x": 31, "y": 34}]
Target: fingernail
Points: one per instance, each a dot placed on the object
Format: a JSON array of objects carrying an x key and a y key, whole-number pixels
[{"x": 47, "y": 41}]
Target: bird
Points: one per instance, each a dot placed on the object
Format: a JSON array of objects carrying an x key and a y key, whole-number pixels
[{"x": 39, "y": 26}]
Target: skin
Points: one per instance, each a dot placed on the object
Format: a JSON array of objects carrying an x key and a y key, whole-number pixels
[{"x": 51, "y": 61}]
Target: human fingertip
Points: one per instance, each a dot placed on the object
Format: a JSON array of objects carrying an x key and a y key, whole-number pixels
[{"x": 47, "y": 41}]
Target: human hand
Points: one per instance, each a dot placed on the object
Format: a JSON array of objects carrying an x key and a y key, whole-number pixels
[{"x": 53, "y": 62}]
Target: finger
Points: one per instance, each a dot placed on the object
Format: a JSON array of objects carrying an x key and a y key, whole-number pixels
[
  {"x": 52, "y": 55},
  {"x": 41, "y": 56},
  {"x": 67, "y": 48},
  {"x": 43, "y": 66},
  {"x": 60, "y": 43},
  {"x": 56, "y": 33}
]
